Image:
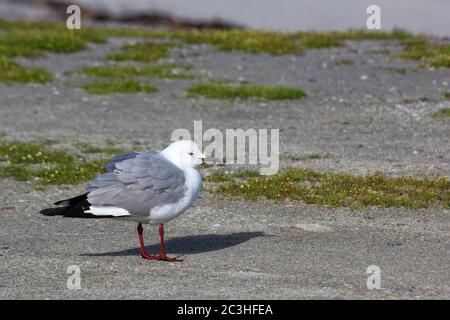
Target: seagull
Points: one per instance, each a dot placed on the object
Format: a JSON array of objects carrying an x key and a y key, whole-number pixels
[{"x": 147, "y": 188}]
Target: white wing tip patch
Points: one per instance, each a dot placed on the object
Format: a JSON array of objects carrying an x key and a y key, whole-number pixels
[{"x": 107, "y": 211}]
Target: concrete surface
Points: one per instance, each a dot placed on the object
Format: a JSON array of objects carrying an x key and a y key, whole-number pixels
[{"x": 239, "y": 249}]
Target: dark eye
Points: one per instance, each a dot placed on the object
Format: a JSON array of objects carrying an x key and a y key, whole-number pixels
[{"x": 191, "y": 153}]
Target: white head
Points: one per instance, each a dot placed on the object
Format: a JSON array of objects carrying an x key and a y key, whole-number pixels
[{"x": 184, "y": 154}]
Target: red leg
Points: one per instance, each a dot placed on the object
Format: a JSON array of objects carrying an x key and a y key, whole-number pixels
[
  {"x": 162, "y": 252},
  {"x": 144, "y": 253}
]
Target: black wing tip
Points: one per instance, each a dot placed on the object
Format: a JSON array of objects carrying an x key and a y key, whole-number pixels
[
  {"x": 52, "y": 211},
  {"x": 70, "y": 212},
  {"x": 72, "y": 201},
  {"x": 72, "y": 208}
]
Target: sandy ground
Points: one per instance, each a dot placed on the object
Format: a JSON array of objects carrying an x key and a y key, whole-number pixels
[{"x": 355, "y": 114}]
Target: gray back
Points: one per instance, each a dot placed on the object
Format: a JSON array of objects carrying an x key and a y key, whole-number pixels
[{"x": 137, "y": 182}]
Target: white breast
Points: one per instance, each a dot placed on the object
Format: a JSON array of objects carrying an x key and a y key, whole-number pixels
[{"x": 167, "y": 212}]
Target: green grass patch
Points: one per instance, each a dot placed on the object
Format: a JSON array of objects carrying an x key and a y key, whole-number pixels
[
  {"x": 118, "y": 86},
  {"x": 344, "y": 62},
  {"x": 416, "y": 100},
  {"x": 379, "y": 51},
  {"x": 220, "y": 176},
  {"x": 218, "y": 91},
  {"x": 312, "y": 156},
  {"x": 400, "y": 70},
  {"x": 259, "y": 41},
  {"x": 278, "y": 43},
  {"x": 395, "y": 34},
  {"x": 252, "y": 41},
  {"x": 88, "y": 148},
  {"x": 11, "y": 72},
  {"x": 446, "y": 95},
  {"x": 19, "y": 173},
  {"x": 336, "y": 189},
  {"x": 443, "y": 113},
  {"x": 431, "y": 54},
  {"x": 160, "y": 71},
  {"x": 28, "y": 153},
  {"x": 144, "y": 52},
  {"x": 41, "y": 165},
  {"x": 33, "y": 39},
  {"x": 32, "y": 44}
]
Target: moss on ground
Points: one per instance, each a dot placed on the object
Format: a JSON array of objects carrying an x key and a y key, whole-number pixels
[
  {"x": 144, "y": 52},
  {"x": 278, "y": 43},
  {"x": 218, "y": 91},
  {"x": 446, "y": 95},
  {"x": 336, "y": 189},
  {"x": 443, "y": 113},
  {"x": 414, "y": 101},
  {"x": 33, "y": 39},
  {"x": 172, "y": 71},
  {"x": 118, "y": 86},
  {"x": 311, "y": 156},
  {"x": 379, "y": 51},
  {"x": 431, "y": 54},
  {"x": 252, "y": 41},
  {"x": 56, "y": 33},
  {"x": 399, "y": 70},
  {"x": 11, "y": 72},
  {"x": 88, "y": 148},
  {"x": 344, "y": 62},
  {"x": 42, "y": 165}
]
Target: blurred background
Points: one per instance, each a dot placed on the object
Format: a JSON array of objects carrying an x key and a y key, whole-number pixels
[{"x": 420, "y": 16}]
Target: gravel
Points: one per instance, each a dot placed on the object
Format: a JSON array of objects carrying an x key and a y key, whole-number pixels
[{"x": 356, "y": 114}]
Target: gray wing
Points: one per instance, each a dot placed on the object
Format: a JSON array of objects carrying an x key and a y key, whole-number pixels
[
  {"x": 111, "y": 165},
  {"x": 137, "y": 182}
]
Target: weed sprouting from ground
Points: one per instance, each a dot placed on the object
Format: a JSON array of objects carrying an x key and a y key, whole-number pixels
[
  {"x": 11, "y": 72},
  {"x": 158, "y": 70},
  {"x": 33, "y": 39},
  {"x": 336, "y": 189},
  {"x": 88, "y": 148},
  {"x": 218, "y": 91},
  {"x": 443, "y": 113},
  {"x": 118, "y": 86},
  {"x": 144, "y": 52},
  {"x": 42, "y": 165},
  {"x": 311, "y": 156},
  {"x": 431, "y": 54}
]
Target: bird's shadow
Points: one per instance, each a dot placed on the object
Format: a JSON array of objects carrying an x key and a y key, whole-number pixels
[{"x": 190, "y": 244}]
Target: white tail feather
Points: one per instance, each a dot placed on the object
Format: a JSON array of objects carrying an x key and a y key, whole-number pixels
[{"x": 107, "y": 211}]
